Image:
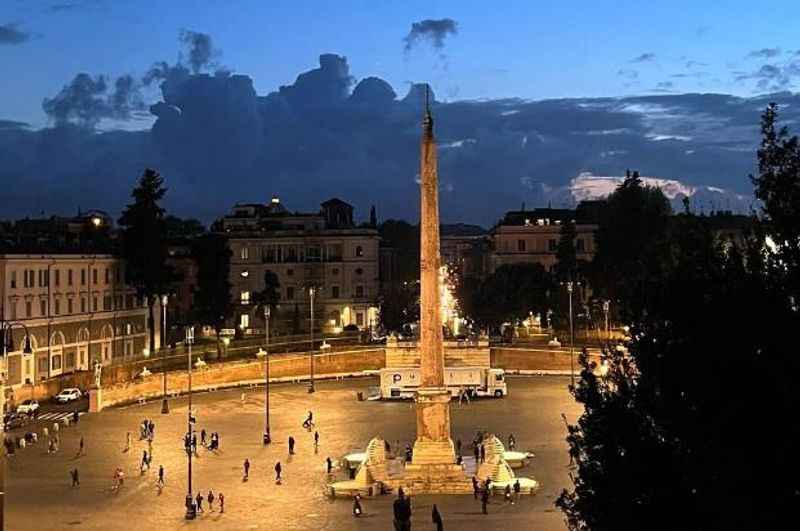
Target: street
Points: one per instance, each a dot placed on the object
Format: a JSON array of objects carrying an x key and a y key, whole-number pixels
[{"x": 38, "y": 491}]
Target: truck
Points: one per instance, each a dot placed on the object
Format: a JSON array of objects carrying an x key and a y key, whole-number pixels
[{"x": 403, "y": 382}]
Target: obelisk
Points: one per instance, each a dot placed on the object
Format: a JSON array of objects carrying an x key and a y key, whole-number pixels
[{"x": 433, "y": 445}]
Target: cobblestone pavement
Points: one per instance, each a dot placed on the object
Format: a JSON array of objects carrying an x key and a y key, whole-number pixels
[{"x": 39, "y": 495}]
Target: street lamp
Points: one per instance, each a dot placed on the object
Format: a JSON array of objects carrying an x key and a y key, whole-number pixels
[
  {"x": 7, "y": 338},
  {"x": 570, "y": 288},
  {"x": 311, "y": 350},
  {"x": 164, "y": 404},
  {"x": 606, "y": 307},
  {"x": 191, "y": 512}
]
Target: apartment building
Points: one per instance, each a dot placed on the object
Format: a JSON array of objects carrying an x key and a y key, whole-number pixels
[{"x": 324, "y": 251}]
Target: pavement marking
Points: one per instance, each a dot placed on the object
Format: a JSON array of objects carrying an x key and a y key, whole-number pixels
[{"x": 58, "y": 415}]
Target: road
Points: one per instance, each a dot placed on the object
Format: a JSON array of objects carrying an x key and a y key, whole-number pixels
[
  {"x": 50, "y": 412},
  {"x": 39, "y": 495}
]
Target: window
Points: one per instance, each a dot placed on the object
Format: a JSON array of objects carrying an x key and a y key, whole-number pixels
[
  {"x": 43, "y": 364},
  {"x": 28, "y": 309},
  {"x": 290, "y": 272},
  {"x": 107, "y": 302},
  {"x": 244, "y": 321},
  {"x": 313, "y": 253},
  {"x": 245, "y": 297},
  {"x": 42, "y": 308},
  {"x": 108, "y": 276},
  {"x": 335, "y": 271},
  {"x": 359, "y": 250},
  {"x": 58, "y": 306},
  {"x": 83, "y": 304},
  {"x": 268, "y": 254},
  {"x": 56, "y": 362},
  {"x": 94, "y": 304},
  {"x": 94, "y": 276},
  {"x": 580, "y": 246},
  {"x": 70, "y": 359},
  {"x": 359, "y": 291},
  {"x": 58, "y": 277},
  {"x": 290, "y": 292},
  {"x": 290, "y": 254},
  {"x": 335, "y": 252},
  {"x": 69, "y": 306},
  {"x": 13, "y": 305},
  {"x": 521, "y": 246},
  {"x": 83, "y": 277},
  {"x": 552, "y": 245},
  {"x": 69, "y": 277},
  {"x": 244, "y": 253},
  {"x": 360, "y": 318},
  {"x": 13, "y": 279},
  {"x": 334, "y": 292}
]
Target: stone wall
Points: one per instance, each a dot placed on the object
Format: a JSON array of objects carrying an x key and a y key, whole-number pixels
[
  {"x": 456, "y": 354},
  {"x": 527, "y": 359}
]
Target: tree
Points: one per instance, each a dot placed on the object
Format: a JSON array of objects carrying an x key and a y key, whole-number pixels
[
  {"x": 670, "y": 438},
  {"x": 399, "y": 306},
  {"x": 269, "y": 296},
  {"x": 778, "y": 187},
  {"x": 212, "y": 297},
  {"x": 632, "y": 246},
  {"x": 566, "y": 267},
  {"x": 144, "y": 244},
  {"x": 178, "y": 228},
  {"x": 296, "y": 327}
]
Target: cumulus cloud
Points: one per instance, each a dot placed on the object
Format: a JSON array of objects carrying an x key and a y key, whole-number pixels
[
  {"x": 772, "y": 76},
  {"x": 86, "y": 100},
  {"x": 764, "y": 53},
  {"x": 433, "y": 31},
  {"x": 199, "y": 49},
  {"x": 11, "y": 34},
  {"x": 646, "y": 57}
]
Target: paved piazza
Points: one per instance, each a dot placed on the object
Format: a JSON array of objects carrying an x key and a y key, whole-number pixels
[{"x": 39, "y": 495}]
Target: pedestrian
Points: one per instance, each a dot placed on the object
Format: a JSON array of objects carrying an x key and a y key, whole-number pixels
[
  {"x": 437, "y": 518},
  {"x": 203, "y": 437},
  {"x": 316, "y": 439},
  {"x": 357, "y": 510},
  {"x": 475, "y": 487},
  {"x": 278, "y": 469},
  {"x": 152, "y": 429},
  {"x": 210, "y": 499},
  {"x": 512, "y": 443},
  {"x": 483, "y": 453},
  {"x": 55, "y": 428},
  {"x": 75, "y": 481},
  {"x": 199, "y": 501},
  {"x": 517, "y": 489},
  {"x": 402, "y": 512},
  {"x": 309, "y": 422},
  {"x": 128, "y": 442},
  {"x": 507, "y": 494},
  {"x": 221, "y": 503},
  {"x": 45, "y": 433},
  {"x": 144, "y": 461},
  {"x": 329, "y": 464},
  {"x": 246, "y": 469},
  {"x": 161, "y": 475},
  {"x": 458, "y": 446},
  {"x": 291, "y": 445},
  {"x": 80, "y": 446},
  {"x": 51, "y": 447},
  {"x": 484, "y": 500},
  {"x": 75, "y": 416},
  {"x": 194, "y": 443},
  {"x": 477, "y": 453},
  {"x": 461, "y": 394}
]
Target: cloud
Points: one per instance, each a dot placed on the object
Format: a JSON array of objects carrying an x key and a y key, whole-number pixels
[
  {"x": 627, "y": 73},
  {"x": 64, "y": 6},
  {"x": 200, "y": 49},
  {"x": 13, "y": 124},
  {"x": 87, "y": 100},
  {"x": 695, "y": 74},
  {"x": 764, "y": 53},
  {"x": 644, "y": 58},
  {"x": 11, "y": 34},
  {"x": 772, "y": 76},
  {"x": 694, "y": 64},
  {"x": 433, "y": 31}
]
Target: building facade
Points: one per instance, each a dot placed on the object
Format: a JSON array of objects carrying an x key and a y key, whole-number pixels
[
  {"x": 323, "y": 251},
  {"x": 77, "y": 310},
  {"x": 532, "y": 236}
]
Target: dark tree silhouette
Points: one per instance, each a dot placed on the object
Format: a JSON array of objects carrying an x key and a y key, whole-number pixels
[
  {"x": 212, "y": 298},
  {"x": 269, "y": 296},
  {"x": 144, "y": 244}
]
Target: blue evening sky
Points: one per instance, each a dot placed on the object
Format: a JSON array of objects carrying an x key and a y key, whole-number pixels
[{"x": 529, "y": 49}]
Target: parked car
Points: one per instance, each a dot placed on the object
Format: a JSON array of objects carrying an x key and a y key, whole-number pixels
[
  {"x": 14, "y": 420},
  {"x": 28, "y": 407},
  {"x": 68, "y": 395}
]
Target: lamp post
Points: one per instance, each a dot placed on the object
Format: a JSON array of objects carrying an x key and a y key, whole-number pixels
[
  {"x": 606, "y": 307},
  {"x": 6, "y": 337},
  {"x": 191, "y": 512},
  {"x": 570, "y": 288},
  {"x": 311, "y": 350},
  {"x": 266, "y": 437},
  {"x": 164, "y": 403}
]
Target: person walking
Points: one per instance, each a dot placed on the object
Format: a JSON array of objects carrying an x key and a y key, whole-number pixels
[
  {"x": 517, "y": 489},
  {"x": 329, "y": 464},
  {"x": 210, "y": 499},
  {"x": 278, "y": 469},
  {"x": 507, "y": 494},
  {"x": 458, "y": 446},
  {"x": 437, "y": 518},
  {"x": 475, "y": 487},
  {"x": 316, "y": 439},
  {"x": 512, "y": 442},
  {"x": 291, "y": 445},
  {"x": 203, "y": 437},
  {"x": 75, "y": 416},
  {"x": 145, "y": 461},
  {"x": 246, "y": 469},
  {"x": 199, "y": 502},
  {"x": 80, "y": 446},
  {"x": 75, "y": 480},
  {"x": 485, "y": 500},
  {"x": 161, "y": 475},
  {"x": 357, "y": 509},
  {"x": 221, "y": 503},
  {"x": 483, "y": 453},
  {"x": 477, "y": 453}
]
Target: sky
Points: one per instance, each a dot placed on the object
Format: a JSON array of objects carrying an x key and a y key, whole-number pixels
[
  {"x": 532, "y": 50},
  {"x": 535, "y": 102}
]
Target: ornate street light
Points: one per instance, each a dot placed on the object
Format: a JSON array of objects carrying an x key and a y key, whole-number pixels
[
  {"x": 191, "y": 511},
  {"x": 164, "y": 403}
]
